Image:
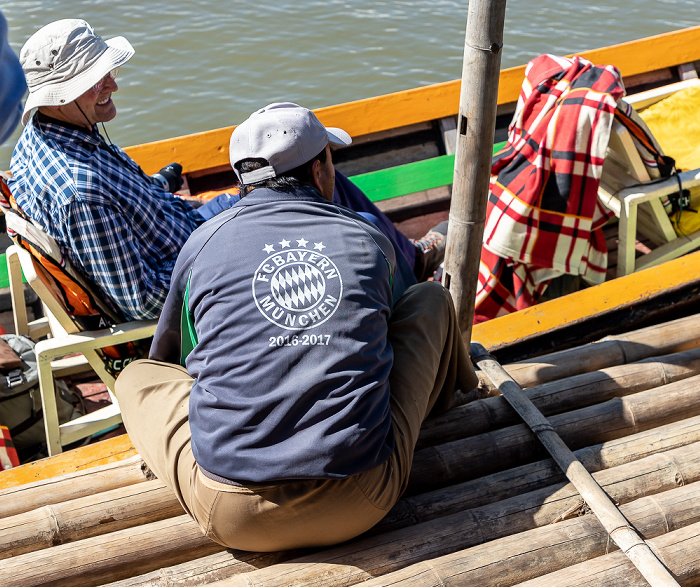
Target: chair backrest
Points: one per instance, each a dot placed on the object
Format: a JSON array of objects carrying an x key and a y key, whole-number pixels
[
  {"x": 74, "y": 303},
  {"x": 634, "y": 157}
]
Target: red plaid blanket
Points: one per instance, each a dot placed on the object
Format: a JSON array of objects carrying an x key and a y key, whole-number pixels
[
  {"x": 543, "y": 214},
  {"x": 8, "y": 454}
]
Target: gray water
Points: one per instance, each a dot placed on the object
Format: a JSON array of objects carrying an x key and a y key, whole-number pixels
[{"x": 207, "y": 64}]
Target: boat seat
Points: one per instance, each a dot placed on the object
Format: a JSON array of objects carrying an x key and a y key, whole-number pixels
[
  {"x": 632, "y": 186},
  {"x": 66, "y": 338},
  {"x": 79, "y": 324}
]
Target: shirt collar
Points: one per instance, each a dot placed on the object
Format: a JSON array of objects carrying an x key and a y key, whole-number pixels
[
  {"x": 66, "y": 130},
  {"x": 265, "y": 195}
]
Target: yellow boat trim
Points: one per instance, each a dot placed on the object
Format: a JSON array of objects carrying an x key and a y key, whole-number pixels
[
  {"x": 210, "y": 149},
  {"x": 112, "y": 450}
]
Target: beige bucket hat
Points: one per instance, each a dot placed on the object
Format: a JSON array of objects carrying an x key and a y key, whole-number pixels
[{"x": 64, "y": 59}]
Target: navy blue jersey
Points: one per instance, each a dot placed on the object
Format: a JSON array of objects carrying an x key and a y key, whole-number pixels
[{"x": 290, "y": 297}]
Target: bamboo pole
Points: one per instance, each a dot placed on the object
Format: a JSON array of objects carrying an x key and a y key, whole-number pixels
[
  {"x": 532, "y": 554},
  {"x": 92, "y": 515},
  {"x": 24, "y": 498},
  {"x": 619, "y": 529},
  {"x": 361, "y": 561},
  {"x": 680, "y": 550},
  {"x": 675, "y": 336},
  {"x": 149, "y": 502},
  {"x": 441, "y": 536},
  {"x": 470, "y": 458},
  {"x": 531, "y": 477},
  {"x": 476, "y": 125},
  {"x": 114, "y": 556},
  {"x": 204, "y": 570},
  {"x": 560, "y": 396}
]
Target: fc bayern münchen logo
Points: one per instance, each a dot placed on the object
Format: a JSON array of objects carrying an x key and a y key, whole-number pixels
[{"x": 297, "y": 289}]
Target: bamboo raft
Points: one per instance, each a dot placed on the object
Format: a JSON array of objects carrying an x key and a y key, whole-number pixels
[{"x": 485, "y": 506}]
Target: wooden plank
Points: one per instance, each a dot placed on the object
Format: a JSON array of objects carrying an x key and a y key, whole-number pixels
[
  {"x": 409, "y": 178},
  {"x": 210, "y": 149},
  {"x": 86, "y": 457},
  {"x": 592, "y": 302}
]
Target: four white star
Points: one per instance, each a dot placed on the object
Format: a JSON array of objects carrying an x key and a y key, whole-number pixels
[{"x": 302, "y": 242}]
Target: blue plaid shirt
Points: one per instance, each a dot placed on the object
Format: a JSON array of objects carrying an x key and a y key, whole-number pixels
[{"x": 106, "y": 215}]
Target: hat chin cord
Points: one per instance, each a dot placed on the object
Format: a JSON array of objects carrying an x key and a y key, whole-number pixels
[{"x": 109, "y": 141}]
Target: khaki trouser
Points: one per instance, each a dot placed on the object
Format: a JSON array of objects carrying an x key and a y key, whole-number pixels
[{"x": 430, "y": 362}]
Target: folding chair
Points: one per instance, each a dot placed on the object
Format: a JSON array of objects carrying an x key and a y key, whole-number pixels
[
  {"x": 633, "y": 186},
  {"x": 77, "y": 320}
]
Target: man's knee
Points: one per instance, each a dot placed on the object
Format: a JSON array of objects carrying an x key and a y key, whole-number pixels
[{"x": 428, "y": 297}]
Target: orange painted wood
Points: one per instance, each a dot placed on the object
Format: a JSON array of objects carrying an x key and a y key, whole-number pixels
[
  {"x": 92, "y": 455},
  {"x": 590, "y": 302},
  {"x": 210, "y": 149}
]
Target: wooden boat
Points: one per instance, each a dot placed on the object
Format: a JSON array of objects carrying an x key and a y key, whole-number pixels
[
  {"x": 419, "y": 126},
  {"x": 485, "y": 505}
]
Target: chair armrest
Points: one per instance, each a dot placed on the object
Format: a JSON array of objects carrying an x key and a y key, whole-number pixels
[
  {"x": 96, "y": 339},
  {"x": 657, "y": 189}
]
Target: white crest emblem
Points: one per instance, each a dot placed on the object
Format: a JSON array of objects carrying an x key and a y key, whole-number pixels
[{"x": 297, "y": 289}]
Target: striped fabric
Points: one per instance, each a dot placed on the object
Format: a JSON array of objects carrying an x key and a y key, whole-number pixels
[
  {"x": 543, "y": 215},
  {"x": 8, "y": 453},
  {"x": 107, "y": 216}
]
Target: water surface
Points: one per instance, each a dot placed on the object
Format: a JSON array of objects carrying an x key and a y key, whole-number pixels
[{"x": 206, "y": 64}]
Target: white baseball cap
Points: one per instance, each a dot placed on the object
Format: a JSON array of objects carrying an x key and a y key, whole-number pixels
[
  {"x": 64, "y": 59},
  {"x": 286, "y": 135}
]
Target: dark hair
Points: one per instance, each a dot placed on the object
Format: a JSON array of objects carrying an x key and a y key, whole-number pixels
[{"x": 288, "y": 180}]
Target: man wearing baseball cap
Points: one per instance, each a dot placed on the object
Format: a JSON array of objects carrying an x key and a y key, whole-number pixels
[
  {"x": 285, "y": 389},
  {"x": 121, "y": 227}
]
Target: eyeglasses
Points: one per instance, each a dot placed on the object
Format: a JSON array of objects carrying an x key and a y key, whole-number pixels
[{"x": 97, "y": 88}]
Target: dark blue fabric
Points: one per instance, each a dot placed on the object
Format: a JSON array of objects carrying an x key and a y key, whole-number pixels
[
  {"x": 12, "y": 85},
  {"x": 404, "y": 276},
  {"x": 290, "y": 296},
  {"x": 350, "y": 196},
  {"x": 218, "y": 204}
]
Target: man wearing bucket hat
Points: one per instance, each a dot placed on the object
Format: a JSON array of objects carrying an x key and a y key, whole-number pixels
[
  {"x": 284, "y": 394},
  {"x": 117, "y": 224},
  {"x": 110, "y": 219}
]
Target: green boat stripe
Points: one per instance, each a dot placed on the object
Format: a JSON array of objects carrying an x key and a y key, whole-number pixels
[{"x": 409, "y": 178}]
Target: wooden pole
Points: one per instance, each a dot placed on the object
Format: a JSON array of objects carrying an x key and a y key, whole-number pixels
[
  {"x": 610, "y": 517},
  {"x": 470, "y": 458},
  {"x": 375, "y": 557},
  {"x": 475, "y": 130},
  {"x": 554, "y": 549},
  {"x": 24, "y": 498},
  {"x": 557, "y": 502},
  {"x": 639, "y": 465},
  {"x": 671, "y": 337},
  {"x": 560, "y": 396},
  {"x": 680, "y": 550},
  {"x": 96, "y": 560}
]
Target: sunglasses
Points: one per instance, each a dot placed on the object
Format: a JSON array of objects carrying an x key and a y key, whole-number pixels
[{"x": 97, "y": 88}]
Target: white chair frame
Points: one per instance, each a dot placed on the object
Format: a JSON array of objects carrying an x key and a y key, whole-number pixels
[
  {"x": 627, "y": 189},
  {"x": 66, "y": 339}
]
